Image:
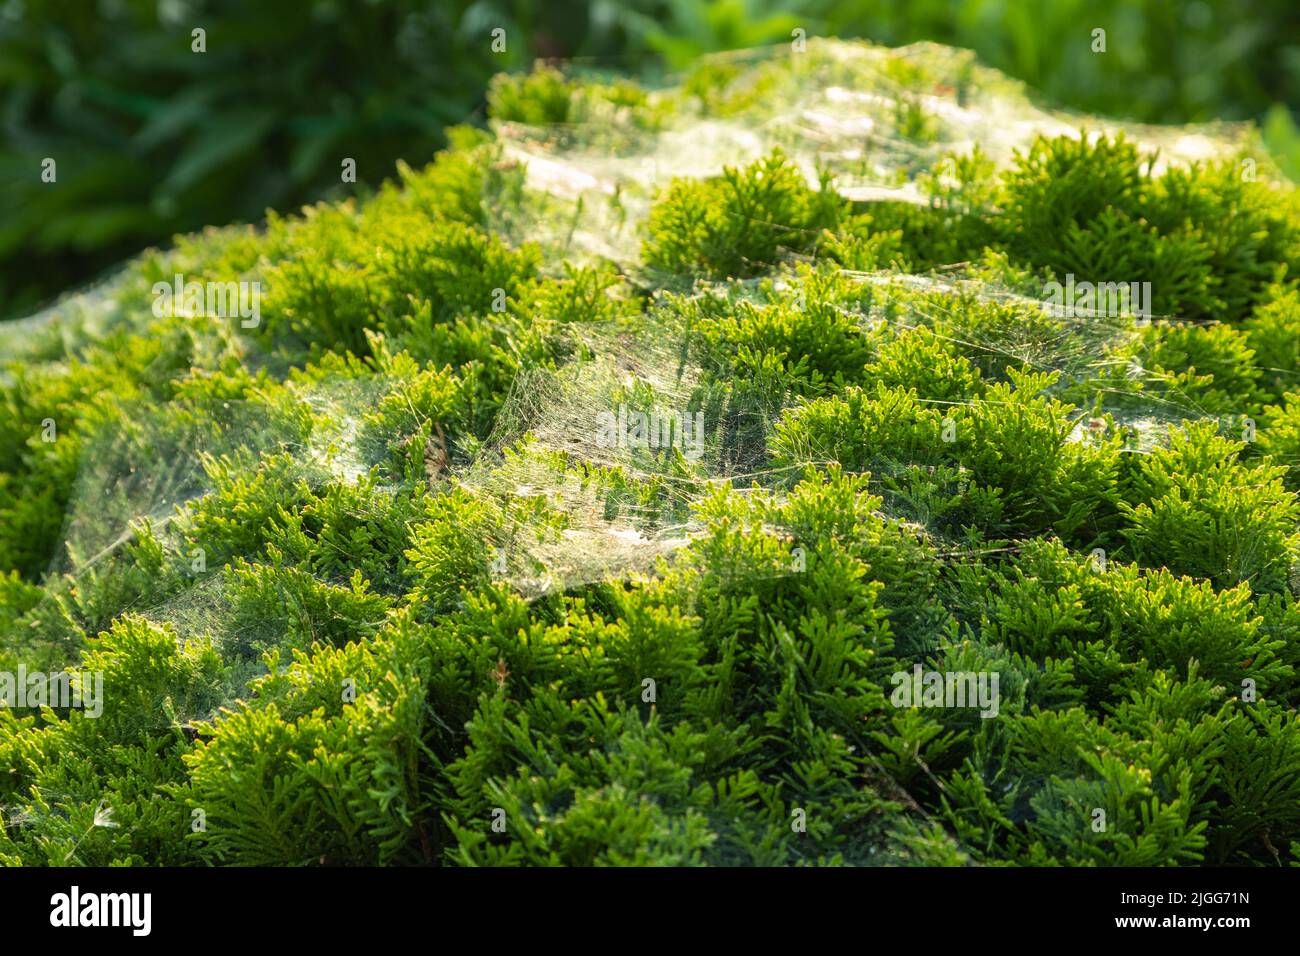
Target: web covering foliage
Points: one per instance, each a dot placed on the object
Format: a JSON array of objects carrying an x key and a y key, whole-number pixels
[{"x": 371, "y": 578}]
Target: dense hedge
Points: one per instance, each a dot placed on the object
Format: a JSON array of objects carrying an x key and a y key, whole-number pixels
[
  {"x": 152, "y": 137},
  {"x": 929, "y": 472}
]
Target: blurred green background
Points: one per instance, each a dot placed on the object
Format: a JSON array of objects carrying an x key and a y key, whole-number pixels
[{"x": 151, "y": 139}]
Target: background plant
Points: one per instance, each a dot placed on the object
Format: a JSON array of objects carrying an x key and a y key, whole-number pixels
[{"x": 152, "y": 139}]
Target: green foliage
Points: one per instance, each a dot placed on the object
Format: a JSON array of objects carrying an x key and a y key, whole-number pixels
[
  {"x": 157, "y": 139},
  {"x": 929, "y": 363},
  {"x": 806, "y": 331},
  {"x": 1280, "y": 437},
  {"x": 1208, "y": 368},
  {"x": 1195, "y": 508},
  {"x": 739, "y": 223},
  {"x": 1207, "y": 240},
  {"x": 1274, "y": 335},
  {"x": 364, "y": 589},
  {"x": 1005, "y": 459},
  {"x": 209, "y": 156}
]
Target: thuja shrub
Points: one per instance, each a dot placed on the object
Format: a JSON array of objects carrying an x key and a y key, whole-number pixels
[
  {"x": 1211, "y": 241},
  {"x": 394, "y": 575},
  {"x": 1016, "y": 470},
  {"x": 739, "y": 223},
  {"x": 1211, "y": 367},
  {"x": 1272, "y": 333},
  {"x": 1196, "y": 508}
]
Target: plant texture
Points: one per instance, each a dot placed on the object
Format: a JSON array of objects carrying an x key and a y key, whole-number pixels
[{"x": 656, "y": 479}]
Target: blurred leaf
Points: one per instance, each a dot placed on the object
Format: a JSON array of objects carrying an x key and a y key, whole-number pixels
[
  {"x": 1282, "y": 137},
  {"x": 185, "y": 110},
  {"x": 224, "y": 138}
]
